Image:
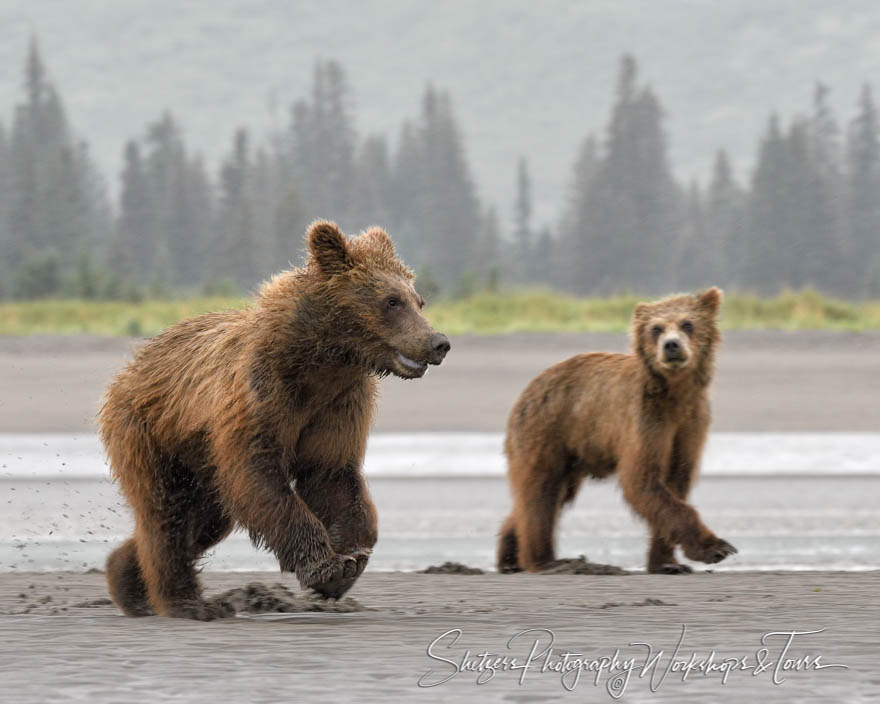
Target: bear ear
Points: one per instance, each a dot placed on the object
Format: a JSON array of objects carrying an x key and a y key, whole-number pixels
[
  {"x": 328, "y": 247},
  {"x": 642, "y": 310},
  {"x": 711, "y": 299},
  {"x": 380, "y": 240}
]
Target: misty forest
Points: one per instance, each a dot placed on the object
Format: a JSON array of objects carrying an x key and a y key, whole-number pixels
[{"x": 808, "y": 216}]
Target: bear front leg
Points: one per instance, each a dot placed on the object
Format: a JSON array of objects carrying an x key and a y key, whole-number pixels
[
  {"x": 257, "y": 494},
  {"x": 672, "y": 520},
  {"x": 685, "y": 454},
  {"x": 661, "y": 557},
  {"x": 341, "y": 500},
  {"x": 702, "y": 546}
]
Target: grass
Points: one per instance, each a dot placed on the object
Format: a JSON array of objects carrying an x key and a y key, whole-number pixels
[
  {"x": 546, "y": 311},
  {"x": 533, "y": 310}
]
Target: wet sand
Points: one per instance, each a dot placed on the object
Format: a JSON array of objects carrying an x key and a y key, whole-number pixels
[
  {"x": 61, "y": 640},
  {"x": 72, "y": 645},
  {"x": 766, "y": 381}
]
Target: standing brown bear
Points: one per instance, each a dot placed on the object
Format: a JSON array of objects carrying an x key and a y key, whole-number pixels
[
  {"x": 643, "y": 415},
  {"x": 258, "y": 418}
]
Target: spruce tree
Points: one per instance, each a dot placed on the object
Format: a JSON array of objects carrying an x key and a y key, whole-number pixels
[
  {"x": 863, "y": 156},
  {"x": 574, "y": 249},
  {"x": 627, "y": 222},
  {"x": 237, "y": 251},
  {"x": 725, "y": 224},
  {"x": 372, "y": 183},
  {"x": 522, "y": 224},
  {"x": 54, "y": 200},
  {"x": 447, "y": 207},
  {"x": 135, "y": 226},
  {"x": 824, "y": 249},
  {"x": 323, "y": 146}
]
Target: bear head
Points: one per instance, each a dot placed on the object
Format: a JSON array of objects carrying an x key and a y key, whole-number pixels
[
  {"x": 676, "y": 336},
  {"x": 375, "y": 310}
]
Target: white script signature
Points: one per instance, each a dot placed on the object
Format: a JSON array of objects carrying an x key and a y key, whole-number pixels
[{"x": 774, "y": 659}]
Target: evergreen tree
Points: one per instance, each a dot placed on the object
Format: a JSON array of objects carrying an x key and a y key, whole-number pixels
[
  {"x": 544, "y": 256},
  {"x": 323, "y": 144},
  {"x": 766, "y": 231},
  {"x": 697, "y": 257},
  {"x": 442, "y": 214},
  {"x": 489, "y": 254},
  {"x": 407, "y": 194},
  {"x": 53, "y": 199},
  {"x": 863, "y": 156},
  {"x": 5, "y": 234},
  {"x": 372, "y": 186},
  {"x": 725, "y": 224},
  {"x": 135, "y": 229},
  {"x": 236, "y": 255},
  {"x": 824, "y": 246},
  {"x": 291, "y": 221},
  {"x": 626, "y": 222},
  {"x": 574, "y": 250},
  {"x": 522, "y": 224}
]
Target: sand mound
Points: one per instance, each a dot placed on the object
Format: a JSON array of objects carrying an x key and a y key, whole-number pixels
[
  {"x": 580, "y": 565},
  {"x": 258, "y": 598},
  {"x": 451, "y": 568}
]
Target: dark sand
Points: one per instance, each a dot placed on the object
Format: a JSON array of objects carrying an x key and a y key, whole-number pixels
[
  {"x": 766, "y": 381},
  {"x": 72, "y": 645}
]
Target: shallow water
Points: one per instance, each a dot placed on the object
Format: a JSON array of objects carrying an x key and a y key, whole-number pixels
[
  {"x": 787, "y": 501},
  {"x": 480, "y": 454}
]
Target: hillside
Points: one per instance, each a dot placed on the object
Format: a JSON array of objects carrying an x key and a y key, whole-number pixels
[{"x": 526, "y": 78}]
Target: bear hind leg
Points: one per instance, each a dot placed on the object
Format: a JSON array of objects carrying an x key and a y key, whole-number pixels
[
  {"x": 508, "y": 548},
  {"x": 126, "y": 582},
  {"x": 535, "y": 514},
  {"x": 170, "y": 540}
]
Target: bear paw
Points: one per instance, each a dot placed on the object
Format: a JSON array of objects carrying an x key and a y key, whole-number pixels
[
  {"x": 709, "y": 551},
  {"x": 670, "y": 568},
  {"x": 335, "y": 575}
]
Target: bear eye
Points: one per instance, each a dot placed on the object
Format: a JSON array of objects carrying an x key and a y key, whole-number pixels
[
  {"x": 656, "y": 331},
  {"x": 392, "y": 302},
  {"x": 688, "y": 327}
]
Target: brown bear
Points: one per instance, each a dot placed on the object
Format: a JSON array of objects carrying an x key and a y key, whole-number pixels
[
  {"x": 643, "y": 415},
  {"x": 258, "y": 419}
]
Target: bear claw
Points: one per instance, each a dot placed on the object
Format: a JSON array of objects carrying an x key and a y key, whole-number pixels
[
  {"x": 715, "y": 551},
  {"x": 332, "y": 577}
]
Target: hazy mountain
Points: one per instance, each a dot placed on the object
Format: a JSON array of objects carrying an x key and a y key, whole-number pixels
[{"x": 526, "y": 78}]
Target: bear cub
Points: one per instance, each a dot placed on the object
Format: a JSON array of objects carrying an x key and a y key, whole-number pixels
[
  {"x": 643, "y": 415},
  {"x": 258, "y": 419}
]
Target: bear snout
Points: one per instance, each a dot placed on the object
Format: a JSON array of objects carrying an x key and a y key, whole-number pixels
[
  {"x": 439, "y": 347},
  {"x": 672, "y": 350}
]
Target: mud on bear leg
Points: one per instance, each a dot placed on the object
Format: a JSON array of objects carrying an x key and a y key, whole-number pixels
[
  {"x": 676, "y": 521},
  {"x": 508, "y": 548},
  {"x": 257, "y": 495},
  {"x": 536, "y": 511},
  {"x": 685, "y": 454},
  {"x": 661, "y": 557},
  {"x": 168, "y": 566},
  {"x": 341, "y": 501},
  {"x": 126, "y": 582}
]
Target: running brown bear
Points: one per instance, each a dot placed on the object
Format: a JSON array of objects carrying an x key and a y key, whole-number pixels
[
  {"x": 643, "y": 415},
  {"x": 258, "y": 418}
]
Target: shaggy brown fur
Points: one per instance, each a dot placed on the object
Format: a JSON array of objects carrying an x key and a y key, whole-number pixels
[
  {"x": 643, "y": 415},
  {"x": 258, "y": 418}
]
